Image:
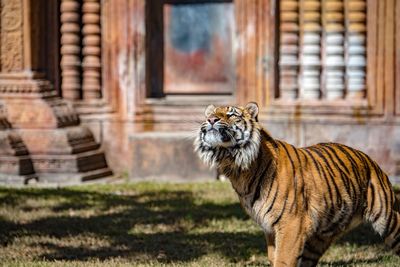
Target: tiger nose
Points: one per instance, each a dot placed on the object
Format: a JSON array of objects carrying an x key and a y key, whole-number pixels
[{"x": 213, "y": 120}]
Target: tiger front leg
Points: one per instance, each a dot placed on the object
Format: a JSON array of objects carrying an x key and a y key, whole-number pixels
[
  {"x": 290, "y": 240},
  {"x": 270, "y": 238}
]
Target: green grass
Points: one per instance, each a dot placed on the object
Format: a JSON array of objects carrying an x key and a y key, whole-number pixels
[{"x": 148, "y": 224}]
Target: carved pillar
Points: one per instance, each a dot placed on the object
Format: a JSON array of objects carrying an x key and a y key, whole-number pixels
[
  {"x": 334, "y": 64},
  {"x": 70, "y": 49},
  {"x": 61, "y": 149},
  {"x": 310, "y": 62},
  {"x": 289, "y": 49},
  {"x": 91, "y": 50},
  {"x": 356, "y": 48}
]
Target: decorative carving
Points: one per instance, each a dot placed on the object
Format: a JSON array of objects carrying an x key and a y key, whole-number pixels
[
  {"x": 289, "y": 49},
  {"x": 11, "y": 17},
  {"x": 15, "y": 86},
  {"x": 356, "y": 48},
  {"x": 310, "y": 61},
  {"x": 91, "y": 50},
  {"x": 334, "y": 64},
  {"x": 63, "y": 111},
  {"x": 11, "y": 54},
  {"x": 70, "y": 49}
]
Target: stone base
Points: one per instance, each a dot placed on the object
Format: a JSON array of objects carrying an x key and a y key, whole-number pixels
[
  {"x": 74, "y": 178},
  {"x": 61, "y": 149},
  {"x": 13, "y": 179},
  {"x": 164, "y": 156}
]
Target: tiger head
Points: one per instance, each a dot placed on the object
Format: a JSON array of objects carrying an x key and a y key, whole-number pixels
[{"x": 229, "y": 133}]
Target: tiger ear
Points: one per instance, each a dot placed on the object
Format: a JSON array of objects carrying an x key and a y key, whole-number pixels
[
  {"x": 209, "y": 110},
  {"x": 252, "y": 109}
]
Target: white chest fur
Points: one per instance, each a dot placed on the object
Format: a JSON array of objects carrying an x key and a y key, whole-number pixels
[{"x": 257, "y": 211}]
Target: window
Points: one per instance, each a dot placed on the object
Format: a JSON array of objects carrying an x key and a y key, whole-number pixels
[{"x": 190, "y": 47}]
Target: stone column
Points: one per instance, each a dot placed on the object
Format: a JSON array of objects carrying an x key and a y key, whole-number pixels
[
  {"x": 334, "y": 64},
  {"x": 310, "y": 59},
  {"x": 70, "y": 49},
  {"x": 289, "y": 49},
  {"x": 91, "y": 50},
  {"x": 356, "y": 48}
]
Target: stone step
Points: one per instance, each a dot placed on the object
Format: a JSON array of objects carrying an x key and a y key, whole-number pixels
[
  {"x": 17, "y": 179},
  {"x": 73, "y": 178},
  {"x": 73, "y": 163},
  {"x": 166, "y": 156},
  {"x": 18, "y": 165}
]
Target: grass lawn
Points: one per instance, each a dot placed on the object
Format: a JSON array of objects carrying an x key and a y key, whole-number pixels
[{"x": 148, "y": 224}]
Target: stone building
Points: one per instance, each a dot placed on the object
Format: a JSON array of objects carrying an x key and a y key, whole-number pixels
[{"x": 90, "y": 86}]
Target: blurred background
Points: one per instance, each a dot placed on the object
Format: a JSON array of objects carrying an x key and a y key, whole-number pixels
[{"x": 91, "y": 88}]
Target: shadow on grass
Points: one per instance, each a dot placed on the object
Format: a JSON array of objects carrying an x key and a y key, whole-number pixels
[
  {"x": 360, "y": 236},
  {"x": 357, "y": 262},
  {"x": 115, "y": 219}
]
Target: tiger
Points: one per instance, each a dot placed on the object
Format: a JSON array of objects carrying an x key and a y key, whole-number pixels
[{"x": 302, "y": 198}]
